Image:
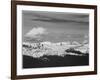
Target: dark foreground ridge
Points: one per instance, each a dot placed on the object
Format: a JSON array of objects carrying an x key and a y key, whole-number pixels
[{"x": 55, "y": 61}]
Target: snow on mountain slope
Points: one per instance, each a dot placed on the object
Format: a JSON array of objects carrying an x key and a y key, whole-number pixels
[{"x": 59, "y": 49}]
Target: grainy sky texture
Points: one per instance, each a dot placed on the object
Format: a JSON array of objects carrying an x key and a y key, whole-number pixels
[{"x": 55, "y": 26}]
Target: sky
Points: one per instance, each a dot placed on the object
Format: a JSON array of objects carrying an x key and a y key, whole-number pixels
[{"x": 54, "y": 26}]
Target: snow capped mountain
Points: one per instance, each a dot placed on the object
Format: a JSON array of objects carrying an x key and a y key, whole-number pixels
[
  {"x": 46, "y": 42},
  {"x": 60, "y": 49},
  {"x": 75, "y": 43},
  {"x": 85, "y": 42}
]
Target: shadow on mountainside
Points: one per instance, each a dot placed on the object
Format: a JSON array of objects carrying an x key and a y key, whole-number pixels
[{"x": 55, "y": 61}]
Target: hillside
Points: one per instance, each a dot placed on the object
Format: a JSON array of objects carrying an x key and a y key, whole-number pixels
[{"x": 59, "y": 49}]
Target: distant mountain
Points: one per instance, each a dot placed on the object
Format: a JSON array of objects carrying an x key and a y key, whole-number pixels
[
  {"x": 56, "y": 37},
  {"x": 32, "y": 40},
  {"x": 85, "y": 41},
  {"x": 75, "y": 43}
]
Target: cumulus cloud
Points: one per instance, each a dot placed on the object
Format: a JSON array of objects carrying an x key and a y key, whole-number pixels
[{"x": 36, "y": 31}]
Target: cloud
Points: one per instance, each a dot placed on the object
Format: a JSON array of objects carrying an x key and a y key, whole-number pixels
[{"x": 36, "y": 31}]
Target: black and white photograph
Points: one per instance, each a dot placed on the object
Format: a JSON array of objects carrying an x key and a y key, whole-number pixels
[{"x": 54, "y": 39}]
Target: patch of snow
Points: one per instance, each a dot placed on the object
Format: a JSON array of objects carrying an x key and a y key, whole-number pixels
[{"x": 48, "y": 48}]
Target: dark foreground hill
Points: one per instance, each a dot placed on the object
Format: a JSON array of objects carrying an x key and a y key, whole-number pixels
[{"x": 55, "y": 61}]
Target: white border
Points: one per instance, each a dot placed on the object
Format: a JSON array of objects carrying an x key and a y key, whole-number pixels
[{"x": 35, "y": 71}]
